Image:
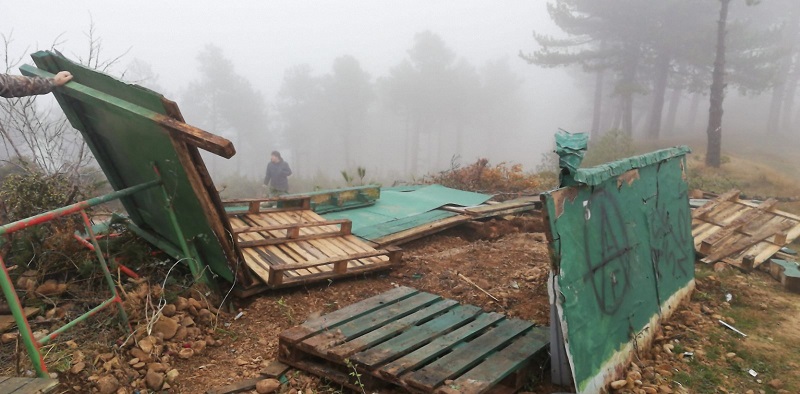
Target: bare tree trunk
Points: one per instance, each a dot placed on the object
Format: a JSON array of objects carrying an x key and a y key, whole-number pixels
[
  {"x": 616, "y": 124},
  {"x": 672, "y": 111},
  {"x": 791, "y": 93},
  {"x": 659, "y": 90},
  {"x": 598, "y": 105},
  {"x": 714, "y": 131},
  {"x": 694, "y": 108}
]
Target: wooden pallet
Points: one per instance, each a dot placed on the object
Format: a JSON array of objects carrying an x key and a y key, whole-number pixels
[
  {"x": 14, "y": 385},
  {"x": 741, "y": 233},
  {"x": 417, "y": 341},
  {"x": 290, "y": 247}
]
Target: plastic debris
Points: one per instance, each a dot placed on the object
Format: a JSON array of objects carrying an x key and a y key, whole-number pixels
[
  {"x": 752, "y": 373},
  {"x": 788, "y": 251},
  {"x": 732, "y": 328},
  {"x": 728, "y": 297},
  {"x": 238, "y": 316}
]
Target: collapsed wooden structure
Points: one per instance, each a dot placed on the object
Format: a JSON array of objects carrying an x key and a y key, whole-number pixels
[
  {"x": 417, "y": 341},
  {"x": 741, "y": 233}
]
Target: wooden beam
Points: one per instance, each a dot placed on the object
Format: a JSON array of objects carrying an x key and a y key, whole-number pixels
[
  {"x": 329, "y": 260},
  {"x": 276, "y": 241},
  {"x": 193, "y": 135},
  {"x": 746, "y": 217},
  {"x": 341, "y": 222},
  {"x": 745, "y": 243},
  {"x": 709, "y": 206}
]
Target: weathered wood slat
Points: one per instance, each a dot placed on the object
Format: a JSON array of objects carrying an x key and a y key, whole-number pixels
[
  {"x": 709, "y": 206},
  {"x": 439, "y": 346},
  {"x": 740, "y": 221},
  {"x": 346, "y": 314},
  {"x": 462, "y": 359},
  {"x": 418, "y": 336},
  {"x": 344, "y": 351},
  {"x": 17, "y": 385},
  {"x": 501, "y": 364},
  {"x": 326, "y": 340}
]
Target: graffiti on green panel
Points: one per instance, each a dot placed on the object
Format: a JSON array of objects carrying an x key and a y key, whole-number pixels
[{"x": 622, "y": 245}]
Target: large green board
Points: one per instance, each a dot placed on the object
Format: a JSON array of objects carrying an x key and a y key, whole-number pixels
[
  {"x": 400, "y": 209},
  {"x": 622, "y": 258},
  {"x": 136, "y": 136}
]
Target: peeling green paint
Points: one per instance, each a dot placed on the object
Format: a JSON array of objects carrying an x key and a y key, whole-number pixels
[{"x": 622, "y": 250}]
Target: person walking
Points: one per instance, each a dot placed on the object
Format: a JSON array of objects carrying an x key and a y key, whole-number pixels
[
  {"x": 21, "y": 86},
  {"x": 277, "y": 173}
]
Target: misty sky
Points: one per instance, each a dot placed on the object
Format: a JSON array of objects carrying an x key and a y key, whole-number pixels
[{"x": 263, "y": 38}]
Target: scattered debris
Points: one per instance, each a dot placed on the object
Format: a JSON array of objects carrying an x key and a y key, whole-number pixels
[
  {"x": 786, "y": 272},
  {"x": 473, "y": 284},
  {"x": 732, "y": 328},
  {"x": 741, "y": 233}
]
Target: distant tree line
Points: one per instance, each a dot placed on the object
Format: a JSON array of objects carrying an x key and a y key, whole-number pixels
[{"x": 665, "y": 50}]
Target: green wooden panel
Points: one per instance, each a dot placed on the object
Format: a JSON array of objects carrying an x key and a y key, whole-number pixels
[
  {"x": 119, "y": 123},
  {"x": 622, "y": 252}
]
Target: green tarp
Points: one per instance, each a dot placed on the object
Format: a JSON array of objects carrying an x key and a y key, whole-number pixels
[{"x": 400, "y": 209}]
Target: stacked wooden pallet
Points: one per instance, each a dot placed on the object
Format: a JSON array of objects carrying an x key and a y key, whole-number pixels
[
  {"x": 294, "y": 245},
  {"x": 417, "y": 341},
  {"x": 741, "y": 233}
]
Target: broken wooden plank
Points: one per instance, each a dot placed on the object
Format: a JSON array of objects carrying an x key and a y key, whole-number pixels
[
  {"x": 238, "y": 387},
  {"x": 709, "y": 206},
  {"x": 747, "y": 216},
  {"x": 744, "y": 243},
  {"x": 7, "y": 322}
]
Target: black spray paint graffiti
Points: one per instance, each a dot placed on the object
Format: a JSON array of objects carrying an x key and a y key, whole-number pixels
[{"x": 609, "y": 260}]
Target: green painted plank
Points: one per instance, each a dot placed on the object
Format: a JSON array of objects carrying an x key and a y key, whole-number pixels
[
  {"x": 390, "y": 330},
  {"x": 465, "y": 357},
  {"x": 117, "y": 121},
  {"x": 440, "y": 345},
  {"x": 417, "y": 336},
  {"x": 346, "y": 314},
  {"x": 496, "y": 367},
  {"x": 384, "y": 229},
  {"x": 369, "y": 322}
]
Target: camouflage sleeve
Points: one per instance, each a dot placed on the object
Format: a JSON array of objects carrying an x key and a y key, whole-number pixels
[{"x": 19, "y": 86}]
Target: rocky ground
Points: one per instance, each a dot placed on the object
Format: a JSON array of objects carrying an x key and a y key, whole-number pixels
[{"x": 184, "y": 344}]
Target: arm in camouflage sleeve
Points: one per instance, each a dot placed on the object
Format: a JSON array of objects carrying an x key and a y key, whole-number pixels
[{"x": 19, "y": 86}]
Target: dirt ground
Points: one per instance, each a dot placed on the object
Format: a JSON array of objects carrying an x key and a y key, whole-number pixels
[{"x": 508, "y": 259}]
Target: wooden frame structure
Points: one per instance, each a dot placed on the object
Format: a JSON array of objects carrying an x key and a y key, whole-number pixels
[{"x": 741, "y": 233}]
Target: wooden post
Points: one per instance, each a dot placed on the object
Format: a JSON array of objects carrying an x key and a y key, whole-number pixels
[
  {"x": 340, "y": 267},
  {"x": 346, "y": 228},
  {"x": 254, "y": 207}
]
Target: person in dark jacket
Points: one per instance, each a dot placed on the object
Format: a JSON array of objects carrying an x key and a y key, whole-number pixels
[
  {"x": 20, "y": 86},
  {"x": 277, "y": 173}
]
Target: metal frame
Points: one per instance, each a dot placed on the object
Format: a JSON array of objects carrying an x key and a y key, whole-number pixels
[{"x": 31, "y": 344}]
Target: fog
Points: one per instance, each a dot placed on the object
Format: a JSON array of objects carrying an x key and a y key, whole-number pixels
[{"x": 402, "y": 88}]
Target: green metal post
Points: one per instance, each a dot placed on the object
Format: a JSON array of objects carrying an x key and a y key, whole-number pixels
[
  {"x": 22, "y": 322},
  {"x": 122, "y": 315}
]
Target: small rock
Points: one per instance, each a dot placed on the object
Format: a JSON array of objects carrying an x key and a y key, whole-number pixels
[
  {"x": 147, "y": 344},
  {"x": 187, "y": 321},
  {"x": 186, "y": 353},
  {"x": 172, "y": 375},
  {"x": 664, "y": 389},
  {"x": 154, "y": 380},
  {"x": 71, "y": 344},
  {"x": 447, "y": 390},
  {"x": 140, "y": 354},
  {"x": 181, "y": 304},
  {"x": 157, "y": 367},
  {"x": 169, "y": 310},
  {"x": 180, "y": 335},
  {"x": 107, "y": 384},
  {"x": 730, "y": 355},
  {"x": 139, "y": 365},
  {"x": 133, "y": 361},
  {"x": 241, "y": 362},
  {"x": 9, "y": 337},
  {"x": 618, "y": 384},
  {"x": 775, "y": 383},
  {"x": 720, "y": 267},
  {"x": 77, "y": 368},
  {"x": 198, "y": 346},
  {"x": 650, "y": 390},
  {"x": 165, "y": 326},
  {"x": 267, "y": 386},
  {"x": 51, "y": 288}
]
